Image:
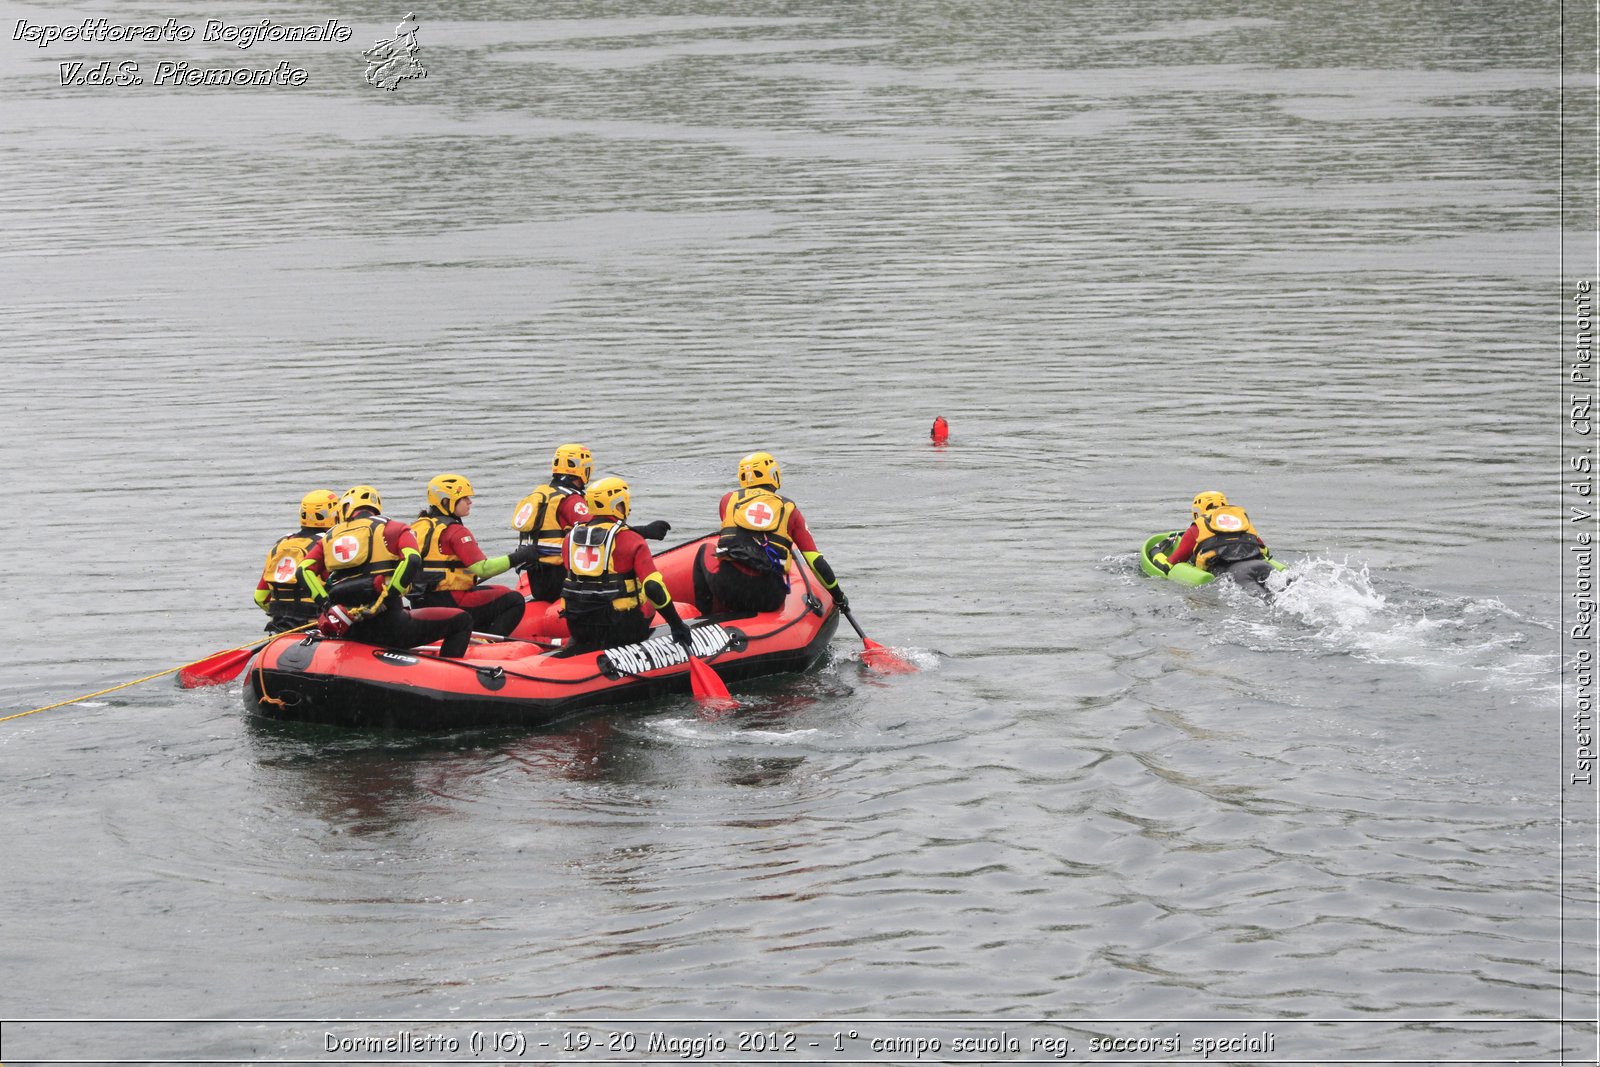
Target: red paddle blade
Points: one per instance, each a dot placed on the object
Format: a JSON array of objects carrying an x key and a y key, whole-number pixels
[
  {"x": 220, "y": 669},
  {"x": 709, "y": 688},
  {"x": 880, "y": 658}
]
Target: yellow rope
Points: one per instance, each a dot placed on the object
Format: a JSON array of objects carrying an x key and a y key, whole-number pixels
[
  {"x": 148, "y": 677},
  {"x": 261, "y": 687},
  {"x": 101, "y": 693}
]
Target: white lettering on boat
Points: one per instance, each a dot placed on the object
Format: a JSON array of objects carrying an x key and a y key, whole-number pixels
[{"x": 662, "y": 651}]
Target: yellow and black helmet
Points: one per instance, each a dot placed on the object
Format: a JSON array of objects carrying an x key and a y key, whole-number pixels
[
  {"x": 609, "y": 497},
  {"x": 1210, "y": 500},
  {"x": 319, "y": 509},
  {"x": 574, "y": 460},
  {"x": 445, "y": 491},
  {"x": 759, "y": 468},
  {"x": 357, "y": 497}
]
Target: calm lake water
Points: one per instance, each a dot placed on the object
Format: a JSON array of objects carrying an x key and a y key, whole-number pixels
[{"x": 1306, "y": 254}]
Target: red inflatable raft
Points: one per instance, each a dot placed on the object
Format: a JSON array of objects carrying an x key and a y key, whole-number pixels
[{"x": 308, "y": 678}]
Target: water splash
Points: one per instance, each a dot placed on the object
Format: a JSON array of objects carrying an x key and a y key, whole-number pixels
[
  {"x": 925, "y": 659},
  {"x": 1332, "y": 607}
]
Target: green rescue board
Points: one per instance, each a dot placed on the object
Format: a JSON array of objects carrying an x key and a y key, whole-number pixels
[{"x": 1182, "y": 573}]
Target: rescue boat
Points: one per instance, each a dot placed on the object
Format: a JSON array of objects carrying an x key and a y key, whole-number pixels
[
  {"x": 535, "y": 681},
  {"x": 1250, "y": 571}
]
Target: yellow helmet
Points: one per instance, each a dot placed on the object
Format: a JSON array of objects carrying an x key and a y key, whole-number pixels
[
  {"x": 319, "y": 509},
  {"x": 445, "y": 491},
  {"x": 356, "y": 497},
  {"x": 759, "y": 468},
  {"x": 609, "y": 496},
  {"x": 574, "y": 460},
  {"x": 1209, "y": 500}
]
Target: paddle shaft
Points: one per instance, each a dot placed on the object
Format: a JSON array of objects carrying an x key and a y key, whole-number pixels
[{"x": 851, "y": 619}]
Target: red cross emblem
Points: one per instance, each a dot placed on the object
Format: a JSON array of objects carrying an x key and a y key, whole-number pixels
[
  {"x": 586, "y": 557},
  {"x": 284, "y": 571},
  {"x": 345, "y": 549},
  {"x": 759, "y": 514}
]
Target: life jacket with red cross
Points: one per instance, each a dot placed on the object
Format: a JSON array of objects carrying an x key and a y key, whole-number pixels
[
  {"x": 536, "y": 520},
  {"x": 356, "y": 549},
  {"x": 1226, "y": 535},
  {"x": 755, "y": 530},
  {"x": 282, "y": 569},
  {"x": 593, "y": 581}
]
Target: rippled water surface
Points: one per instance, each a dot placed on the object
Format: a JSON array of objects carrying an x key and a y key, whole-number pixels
[{"x": 1306, "y": 254}]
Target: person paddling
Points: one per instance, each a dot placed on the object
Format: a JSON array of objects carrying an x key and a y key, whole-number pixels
[
  {"x": 612, "y": 578},
  {"x": 760, "y": 530}
]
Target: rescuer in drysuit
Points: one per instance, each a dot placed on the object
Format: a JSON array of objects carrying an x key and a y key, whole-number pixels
[
  {"x": 544, "y": 516},
  {"x": 612, "y": 579},
  {"x": 1221, "y": 540},
  {"x": 453, "y": 563},
  {"x": 280, "y": 593},
  {"x": 760, "y": 529},
  {"x": 368, "y": 562}
]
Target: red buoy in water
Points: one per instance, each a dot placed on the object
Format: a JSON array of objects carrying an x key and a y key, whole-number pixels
[{"x": 941, "y": 431}]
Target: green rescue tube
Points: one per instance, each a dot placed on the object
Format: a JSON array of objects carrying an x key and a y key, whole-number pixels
[{"x": 1182, "y": 573}]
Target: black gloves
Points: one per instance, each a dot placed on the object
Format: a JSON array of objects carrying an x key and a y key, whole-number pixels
[
  {"x": 839, "y": 598},
  {"x": 653, "y": 531},
  {"x": 675, "y": 623},
  {"x": 523, "y": 555}
]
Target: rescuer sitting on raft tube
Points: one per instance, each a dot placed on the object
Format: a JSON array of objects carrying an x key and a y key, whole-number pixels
[
  {"x": 612, "y": 579},
  {"x": 760, "y": 529},
  {"x": 1220, "y": 540},
  {"x": 544, "y": 516},
  {"x": 453, "y": 564},
  {"x": 368, "y": 561},
  {"x": 280, "y": 592}
]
